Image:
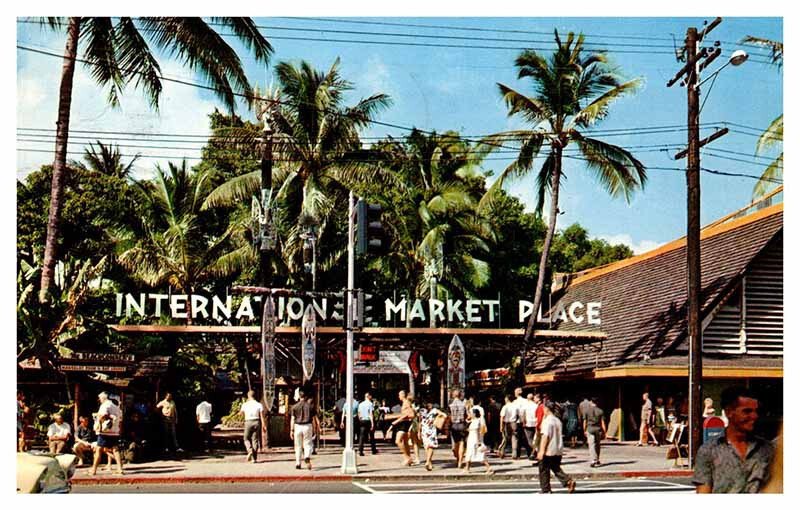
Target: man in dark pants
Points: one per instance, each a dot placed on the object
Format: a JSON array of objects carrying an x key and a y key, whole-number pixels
[
  {"x": 551, "y": 451},
  {"x": 366, "y": 422}
]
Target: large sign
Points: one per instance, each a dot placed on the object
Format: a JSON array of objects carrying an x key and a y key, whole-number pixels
[
  {"x": 389, "y": 362},
  {"x": 293, "y": 309}
]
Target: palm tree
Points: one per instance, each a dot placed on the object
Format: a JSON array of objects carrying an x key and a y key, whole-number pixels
[
  {"x": 107, "y": 161},
  {"x": 773, "y": 135},
  {"x": 317, "y": 154},
  {"x": 118, "y": 52},
  {"x": 571, "y": 92},
  {"x": 172, "y": 244},
  {"x": 441, "y": 229}
]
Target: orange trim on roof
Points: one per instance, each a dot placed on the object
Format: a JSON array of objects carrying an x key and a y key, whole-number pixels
[{"x": 709, "y": 231}]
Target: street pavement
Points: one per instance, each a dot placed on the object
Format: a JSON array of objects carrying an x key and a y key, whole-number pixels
[
  {"x": 624, "y": 485},
  {"x": 620, "y": 461}
]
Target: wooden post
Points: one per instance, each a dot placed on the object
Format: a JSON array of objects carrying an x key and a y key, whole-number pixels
[
  {"x": 76, "y": 412},
  {"x": 443, "y": 381}
]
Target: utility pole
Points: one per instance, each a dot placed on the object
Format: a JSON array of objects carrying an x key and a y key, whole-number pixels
[
  {"x": 349, "y": 466},
  {"x": 693, "y": 248},
  {"x": 697, "y": 59}
]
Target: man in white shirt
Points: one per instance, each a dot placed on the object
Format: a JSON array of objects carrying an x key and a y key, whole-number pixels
[
  {"x": 107, "y": 425},
  {"x": 251, "y": 410},
  {"x": 58, "y": 433},
  {"x": 519, "y": 437},
  {"x": 551, "y": 451},
  {"x": 366, "y": 424},
  {"x": 203, "y": 413},
  {"x": 528, "y": 422},
  {"x": 508, "y": 427}
]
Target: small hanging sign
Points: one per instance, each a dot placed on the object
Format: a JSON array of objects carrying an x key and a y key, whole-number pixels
[
  {"x": 268, "y": 352},
  {"x": 456, "y": 373},
  {"x": 309, "y": 342}
]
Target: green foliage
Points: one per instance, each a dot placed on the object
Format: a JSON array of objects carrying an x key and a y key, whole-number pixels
[{"x": 233, "y": 419}]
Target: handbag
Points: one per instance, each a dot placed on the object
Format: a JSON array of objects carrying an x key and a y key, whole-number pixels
[{"x": 440, "y": 420}]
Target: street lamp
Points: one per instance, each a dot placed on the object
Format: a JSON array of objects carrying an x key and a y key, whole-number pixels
[{"x": 737, "y": 58}]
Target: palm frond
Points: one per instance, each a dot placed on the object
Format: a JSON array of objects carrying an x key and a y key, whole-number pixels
[
  {"x": 775, "y": 47},
  {"x": 616, "y": 169},
  {"x": 598, "y": 109},
  {"x": 772, "y": 136},
  {"x": 101, "y": 61},
  {"x": 235, "y": 190},
  {"x": 767, "y": 182},
  {"x": 530, "y": 108},
  {"x": 137, "y": 62},
  {"x": 529, "y": 150}
]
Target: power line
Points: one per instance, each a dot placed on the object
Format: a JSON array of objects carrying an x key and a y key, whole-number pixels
[{"x": 657, "y": 168}]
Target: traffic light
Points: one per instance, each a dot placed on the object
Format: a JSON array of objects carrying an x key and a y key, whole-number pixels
[
  {"x": 363, "y": 315},
  {"x": 369, "y": 230}
]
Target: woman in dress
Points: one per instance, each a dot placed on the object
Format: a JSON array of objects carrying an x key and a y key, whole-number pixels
[
  {"x": 570, "y": 422},
  {"x": 429, "y": 432},
  {"x": 476, "y": 450},
  {"x": 401, "y": 426},
  {"x": 414, "y": 433}
]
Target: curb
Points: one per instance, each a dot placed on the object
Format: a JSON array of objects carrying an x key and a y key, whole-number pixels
[{"x": 153, "y": 480}]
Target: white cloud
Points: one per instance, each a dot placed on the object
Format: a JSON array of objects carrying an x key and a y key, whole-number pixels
[
  {"x": 376, "y": 79},
  {"x": 182, "y": 111},
  {"x": 638, "y": 247}
]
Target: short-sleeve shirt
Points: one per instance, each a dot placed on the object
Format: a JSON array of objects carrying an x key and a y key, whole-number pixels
[
  {"x": 109, "y": 427},
  {"x": 551, "y": 427},
  {"x": 458, "y": 411},
  {"x": 252, "y": 410},
  {"x": 168, "y": 410},
  {"x": 719, "y": 466},
  {"x": 365, "y": 409},
  {"x": 508, "y": 414},
  {"x": 593, "y": 416},
  {"x": 528, "y": 413},
  {"x": 647, "y": 410},
  {"x": 84, "y": 434},
  {"x": 58, "y": 430},
  {"x": 303, "y": 412},
  {"x": 203, "y": 412}
]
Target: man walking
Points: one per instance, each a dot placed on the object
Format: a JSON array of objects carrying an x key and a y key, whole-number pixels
[
  {"x": 252, "y": 410},
  {"x": 528, "y": 422},
  {"x": 594, "y": 428},
  {"x": 737, "y": 461},
  {"x": 644, "y": 425},
  {"x": 169, "y": 416},
  {"x": 582, "y": 408},
  {"x": 107, "y": 426},
  {"x": 458, "y": 425},
  {"x": 507, "y": 418},
  {"x": 366, "y": 420},
  {"x": 304, "y": 424},
  {"x": 551, "y": 451},
  {"x": 203, "y": 413},
  {"x": 519, "y": 406}
]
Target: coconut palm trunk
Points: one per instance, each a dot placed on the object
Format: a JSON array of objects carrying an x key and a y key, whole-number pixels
[
  {"x": 60, "y": 162},
  {"x": 548, "y": 239}
]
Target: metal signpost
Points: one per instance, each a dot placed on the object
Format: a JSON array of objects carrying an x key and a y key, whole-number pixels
[{"x": 349, "y": 455}]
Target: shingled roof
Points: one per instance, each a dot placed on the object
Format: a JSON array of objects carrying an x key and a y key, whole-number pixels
[{"x": 644, "y": 297}]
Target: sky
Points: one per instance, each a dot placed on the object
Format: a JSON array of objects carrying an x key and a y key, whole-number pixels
[{"x": 437, "y": 88}]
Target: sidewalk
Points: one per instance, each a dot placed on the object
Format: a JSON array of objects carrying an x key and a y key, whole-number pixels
[{"x": 619, "y": 460}]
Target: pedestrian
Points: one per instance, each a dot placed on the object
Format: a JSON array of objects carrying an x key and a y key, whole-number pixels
[
  {"x": 644, "y": 423},
  {"x": 737, "y": 461},
  {"x": 492, "y": 420},
  {"x": 366, "y": 420},
  {"x": 22, "y": 412},
  {"x": 169, "y": 421},
  {"x": 338, "y": 419},
  {"x": 414, "y": 434},
  {"x": 345, "y": 414},
  {"x": 527, "y": 420},
  {"x": 429, "y": 432},
  {"x": 58, "y": 434},
  {"x": 401, "y": 426},
  {"x": 458, "y": 425},
  {"x": 304, "y": 425},
  {"x": 84, "y": 437},
  {"x": 659, "y": 421},
  {"x": 476, "y": 450},
  {"x": 252, "y": 410},
  {"x": 571, "y": 423},
  {"x": 203, "y": 413},
  {"x": 594, "y": 428},
  {"x": 708, "y": 408},
  {"x": 540, "y": 400},
  {"x": 508, "y": 419},
  {"x": 551, "y": 450},
  {"x": 107, "y": 426},
  {"x": 519, "y": 432}
]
